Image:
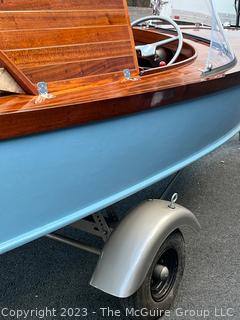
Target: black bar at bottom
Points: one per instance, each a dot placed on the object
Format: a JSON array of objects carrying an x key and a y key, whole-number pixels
[{"x": 238, "y": 14}]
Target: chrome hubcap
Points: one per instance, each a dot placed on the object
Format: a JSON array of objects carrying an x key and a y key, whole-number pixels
[{"x": 161, "y": 272}]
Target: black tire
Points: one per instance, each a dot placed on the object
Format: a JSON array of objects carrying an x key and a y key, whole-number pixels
[{"x": 147, "y": 299}]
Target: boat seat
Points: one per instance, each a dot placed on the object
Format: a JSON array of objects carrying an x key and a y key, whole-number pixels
[{"x": 57, "y": 40}]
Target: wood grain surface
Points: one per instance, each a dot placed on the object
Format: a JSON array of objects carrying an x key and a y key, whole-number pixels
[
  {"x": 57, "y": 40},
  {"x": 94, "y": 88},
  {"x": 20, "y": 5}
]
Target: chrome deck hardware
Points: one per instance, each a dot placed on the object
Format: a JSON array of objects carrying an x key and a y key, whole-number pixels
[
  {"x": 128, "y": 76},
  {"x": 42, "y": 88},
  {"x": 43, "y": 92}
]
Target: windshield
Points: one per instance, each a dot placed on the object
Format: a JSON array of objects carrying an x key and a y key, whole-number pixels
[{"x": 203, "y": 13}]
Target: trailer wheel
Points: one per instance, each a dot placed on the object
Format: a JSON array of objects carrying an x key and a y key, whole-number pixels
[{"x": 159, "y": 289}]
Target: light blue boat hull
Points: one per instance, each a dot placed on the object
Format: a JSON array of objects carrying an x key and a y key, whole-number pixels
[{"x": 51, "y": 180}]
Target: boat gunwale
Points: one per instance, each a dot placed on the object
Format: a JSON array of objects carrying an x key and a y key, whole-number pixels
[{"x": 26, "y": 117}]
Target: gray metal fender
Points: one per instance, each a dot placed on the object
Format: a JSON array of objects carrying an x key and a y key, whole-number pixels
[{"x": 130, "y": 251}]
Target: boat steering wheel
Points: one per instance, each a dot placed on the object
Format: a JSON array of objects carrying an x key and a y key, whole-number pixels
[{"x": 148, "y": 50}]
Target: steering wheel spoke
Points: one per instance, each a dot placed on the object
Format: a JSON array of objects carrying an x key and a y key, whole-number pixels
[{"x": 150, "y": 49}]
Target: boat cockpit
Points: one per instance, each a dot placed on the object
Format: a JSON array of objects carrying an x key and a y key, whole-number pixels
[
  {"x": 157, "y": 51},
  {"x": 53, "y": 46},
  {"x": 161, "y": 44}
]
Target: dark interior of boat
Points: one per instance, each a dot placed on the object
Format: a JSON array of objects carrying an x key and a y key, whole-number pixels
[{"x": 163, "y": 53}]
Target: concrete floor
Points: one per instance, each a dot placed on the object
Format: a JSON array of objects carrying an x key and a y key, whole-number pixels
[{"x": 47, "y": 274}]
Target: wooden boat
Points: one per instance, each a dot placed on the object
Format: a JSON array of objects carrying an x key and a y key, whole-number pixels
[{"x": 87, "y": 120}]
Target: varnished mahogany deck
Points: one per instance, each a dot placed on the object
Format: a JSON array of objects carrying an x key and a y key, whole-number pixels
[
  {"x": 54, "y": 40},
  {"x": 79, "y": 101}
]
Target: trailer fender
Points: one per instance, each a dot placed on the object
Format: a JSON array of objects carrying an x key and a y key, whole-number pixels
[{"x": 130, "y": 251}]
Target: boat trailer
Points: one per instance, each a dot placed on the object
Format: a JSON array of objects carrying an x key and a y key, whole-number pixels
[{"x": 148, "y": 243}]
